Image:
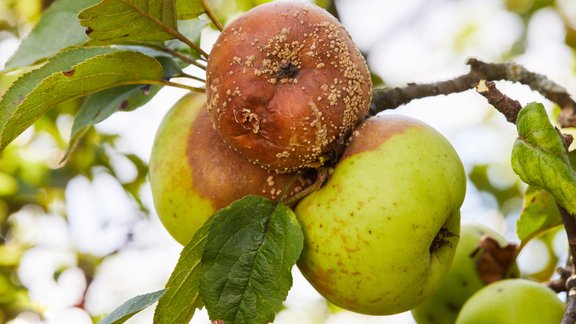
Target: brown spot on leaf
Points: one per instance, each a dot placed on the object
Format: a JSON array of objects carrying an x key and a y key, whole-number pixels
[
  {"x": 124, "y": 105},
  {"x": 88, "y": 30},
  {"x": 69, "y": 73},
  {"x": 494, "y": 262}
]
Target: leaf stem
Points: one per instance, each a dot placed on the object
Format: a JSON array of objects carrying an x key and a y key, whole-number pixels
[
  {"x": 186, "y": 75},
  {"x": 190, "y": 44},
  {"x": 211, "y": 15},
  {"x": 181, "y": 56},
  {"x": 176, "y": 85}
]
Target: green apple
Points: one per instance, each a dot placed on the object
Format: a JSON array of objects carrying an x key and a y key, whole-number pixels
[
  {"x": 382, "y": 232},
  {"x": 512, "y": 301},
  {"x": 193, "y": 173},
  {"x": 461, "y": 281}
]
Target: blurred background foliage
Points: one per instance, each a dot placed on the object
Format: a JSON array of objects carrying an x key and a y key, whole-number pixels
[{"x": 33, "y": 180}]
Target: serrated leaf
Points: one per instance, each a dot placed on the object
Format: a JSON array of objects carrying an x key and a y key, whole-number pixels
[
  {"x": 131, "y": 307},
  {"x": 540, "y": 159},
  {"x": 539, "y": 214},
  {"x": 101, "y": 105},
  {"x": 183, "y": 297},
  {"x": 130, "y": 21},
  {"x": 188, "y": 9},
  {"x": 25, "y": 84},
  {"x": 57, "y": 28},
  {"x": 249, "y": 252},
  {"x": 35, "y": 95}
]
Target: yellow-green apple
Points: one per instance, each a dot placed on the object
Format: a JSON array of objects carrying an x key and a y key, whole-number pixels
[
  {"x": 284, "y": 82},
  {"x": 463, "y": 278},
  {"x": 382, "y": 232},
  {"x": 193, "y": 173},
  {"x": 512, "y": 301}
]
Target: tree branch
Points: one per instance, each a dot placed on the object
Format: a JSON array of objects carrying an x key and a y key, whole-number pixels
[
  {"x": 510, "y": 108},
  {"x": 384, "y": 99},
  {"x": 570, "y": 313},
  {"x": 504, "y": 104}
]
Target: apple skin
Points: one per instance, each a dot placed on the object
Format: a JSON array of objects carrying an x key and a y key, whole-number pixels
[
  {"x": 512, "y": 301},
  {"x": 461, "y": 281},
  {"x": 193, "y": 173},
  {"x": 284, "y": 82},
  {"x": 373, "y": 241}
]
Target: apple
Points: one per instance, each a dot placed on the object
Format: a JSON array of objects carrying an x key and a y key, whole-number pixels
[
  {"x": 284, "y": 83},
  {"x": 382, "y": 232},
  {"x": 512, "y": 301},
  {"x": 462, "y": 280},
  {"x": 193, "y": 173}
]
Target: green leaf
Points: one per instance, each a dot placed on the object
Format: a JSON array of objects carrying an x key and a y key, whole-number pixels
[
  {"x": 62, "y": 79},
  {"x": 131, "y": 307},
  {"x": 540, "y": 159},
  {"x": 57, "y": 28},
  {"x": 245, "y": 271},
  {"x": 101, "y": 105},
  {"x": 188, "y": 9},
  {"x": 22, "y": 87},
  {"x": 130, "y": 21},
  {"x": 183, "y": 296},
  {"x": 539, "y": 214}
]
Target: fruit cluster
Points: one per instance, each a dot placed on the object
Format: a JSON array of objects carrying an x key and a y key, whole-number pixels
[{"x": 287, "y": 93}]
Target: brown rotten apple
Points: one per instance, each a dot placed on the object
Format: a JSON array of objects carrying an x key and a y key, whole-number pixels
[
  {"x": 193, "y": 172},
  {"x": 284, "y": 81}
]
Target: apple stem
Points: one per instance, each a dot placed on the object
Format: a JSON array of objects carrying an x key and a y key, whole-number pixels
[
  {"x": 321, "y": 178},
  {"x": 383, "y": 99}
]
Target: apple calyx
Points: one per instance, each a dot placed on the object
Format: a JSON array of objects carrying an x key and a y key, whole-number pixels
[{"x": 441, "y": 239}]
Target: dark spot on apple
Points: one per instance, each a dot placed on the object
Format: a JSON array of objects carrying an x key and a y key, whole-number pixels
[{"x": 69, "y": 73}]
